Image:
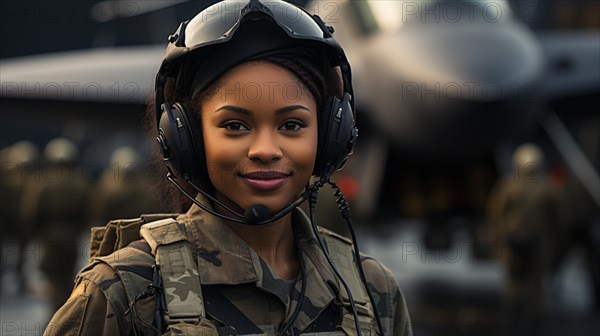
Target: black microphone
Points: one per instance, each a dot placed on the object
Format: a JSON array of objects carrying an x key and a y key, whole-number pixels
[
  {"x": 259, "y": 214},
  {"x": 256, "y": 214}
]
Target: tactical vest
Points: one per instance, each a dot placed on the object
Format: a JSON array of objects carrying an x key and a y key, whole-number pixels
[{"x": 175, "y": 271}]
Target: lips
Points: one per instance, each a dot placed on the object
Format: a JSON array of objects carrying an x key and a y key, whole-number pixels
[{"x": 265, "y": 180}]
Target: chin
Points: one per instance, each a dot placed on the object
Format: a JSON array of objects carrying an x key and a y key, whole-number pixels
[{"x": 273, "y": 205}]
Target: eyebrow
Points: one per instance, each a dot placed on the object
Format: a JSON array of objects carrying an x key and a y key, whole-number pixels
[{"x": 248, "y": 112}]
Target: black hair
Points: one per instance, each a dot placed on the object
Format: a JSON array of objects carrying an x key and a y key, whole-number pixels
[{"x": 322, "y": 82}]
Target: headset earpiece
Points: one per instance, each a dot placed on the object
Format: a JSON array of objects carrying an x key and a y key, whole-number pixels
[
  {"x": 337, "y": 135},
  {"x": 181, "y": 143}
]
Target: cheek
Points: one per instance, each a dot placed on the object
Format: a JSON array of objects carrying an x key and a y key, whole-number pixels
[
  {"x": 220, "y": 157},
  {"x": 218, "y": 162},
  {"x": 304, "y": 156}
]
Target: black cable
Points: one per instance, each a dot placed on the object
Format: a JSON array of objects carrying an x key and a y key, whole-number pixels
[
  {"x": 202, "y": 206},
  {"x": 160, "y": 305},
  {"x": 301, "y": 299},
  {"x": 212, "y": 199},
  {"x": 273, "y": 218},
  {"x": 345, "y": 211},
  {"x": 312, "y": 201},
  {"x": 151, "y": 290}
]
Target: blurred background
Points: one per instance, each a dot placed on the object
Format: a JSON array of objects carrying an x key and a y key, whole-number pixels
[{"x": 475, "y": 179}]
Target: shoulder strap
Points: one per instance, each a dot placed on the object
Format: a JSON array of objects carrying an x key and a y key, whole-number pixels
[
  {"x": 342, "y": 251},
  {"x": 178, "y": 270}
]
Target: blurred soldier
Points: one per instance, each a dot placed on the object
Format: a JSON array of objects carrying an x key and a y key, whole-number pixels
[
  {"x": 57, "y": 205},
  {"x": 524, "y": 214},
  {"x": 125, "y": 190},
  {"x": 18, "y": 165}
]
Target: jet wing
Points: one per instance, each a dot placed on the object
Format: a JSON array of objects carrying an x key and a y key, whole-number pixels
[{"x": 110, "y": 75}]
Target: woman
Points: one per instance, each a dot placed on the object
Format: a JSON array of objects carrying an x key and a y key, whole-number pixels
[{"x": 252, "y": 99}]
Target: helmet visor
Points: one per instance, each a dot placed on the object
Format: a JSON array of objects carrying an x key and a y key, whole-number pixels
[{"x": 218, "y": 22}]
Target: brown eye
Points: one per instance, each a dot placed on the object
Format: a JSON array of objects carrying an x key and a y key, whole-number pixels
[
  {"x": 292, "y": 126},
  {"x": 235, "y": 126}
]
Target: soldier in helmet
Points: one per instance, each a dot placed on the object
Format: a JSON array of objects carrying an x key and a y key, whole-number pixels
[
  {"x": 125, "y": 190},
  {"x": 56, "y": 204},
  {"x": 19, "y": 164},
  {"x": 525, "y": 215},
  {"x": 253, "y": 113}
]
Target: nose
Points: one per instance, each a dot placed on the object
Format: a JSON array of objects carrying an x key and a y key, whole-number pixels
[{"x": 265, "y": 147}]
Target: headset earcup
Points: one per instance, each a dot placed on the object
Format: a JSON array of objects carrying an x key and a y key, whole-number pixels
[
  {"x": 323, "y": 136},
  {"x": 337, "y": 135},
  {"x": 180, "y": 138}
]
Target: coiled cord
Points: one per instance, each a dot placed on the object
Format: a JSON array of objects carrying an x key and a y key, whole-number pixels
[
  {"x": 312, "y": 202},
  {"x": 344, "y": 208}
]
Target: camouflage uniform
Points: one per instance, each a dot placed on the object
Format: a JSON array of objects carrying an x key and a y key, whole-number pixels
[
  {"x": 525, "y": 214},
  {"x": 230, "y": 271},
  {"x": 124, "y": 190},
  {"x": 18, "y": 170},
  {"x": 56, "y": 204}
]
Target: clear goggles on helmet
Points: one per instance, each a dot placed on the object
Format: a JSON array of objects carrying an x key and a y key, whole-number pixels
[{"x": 217, "y": 23}]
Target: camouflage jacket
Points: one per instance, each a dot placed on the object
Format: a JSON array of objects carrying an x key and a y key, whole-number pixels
[{"x": 228, "y": 266}]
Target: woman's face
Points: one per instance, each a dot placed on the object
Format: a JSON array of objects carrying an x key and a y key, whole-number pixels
[{"x": 260, "y": 136}]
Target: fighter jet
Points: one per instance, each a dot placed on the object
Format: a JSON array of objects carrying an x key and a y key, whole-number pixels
[{"x": 453, "y": 84}]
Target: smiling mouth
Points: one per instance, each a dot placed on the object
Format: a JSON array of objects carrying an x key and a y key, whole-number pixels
[
  {"x": 265, "y": 175},
  {"x": 265, "y": 181}
]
